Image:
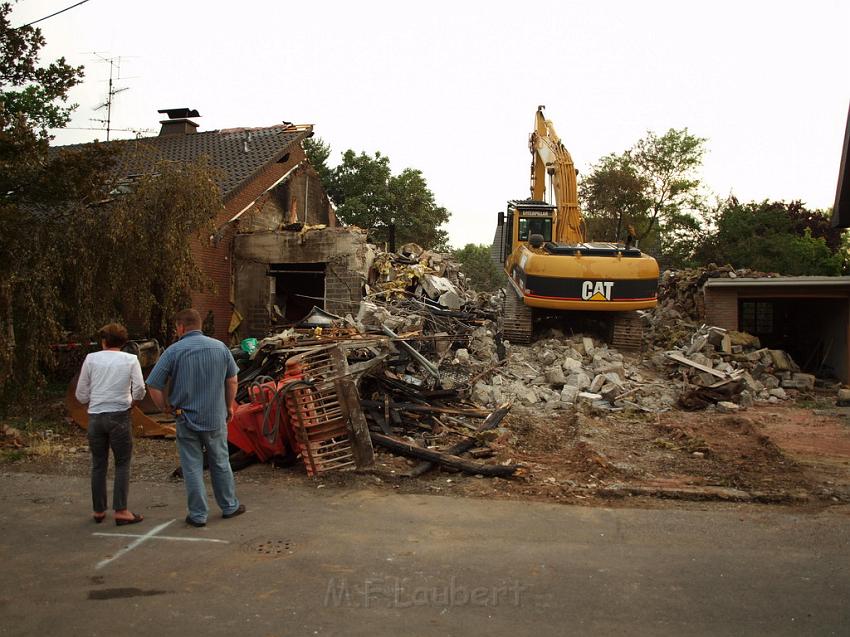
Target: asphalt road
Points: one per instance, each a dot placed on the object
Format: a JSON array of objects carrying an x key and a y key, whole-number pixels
[{"x": 320, "y": 562}]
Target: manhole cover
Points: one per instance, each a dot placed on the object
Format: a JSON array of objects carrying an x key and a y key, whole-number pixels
[{"x": 268, "y": 548}]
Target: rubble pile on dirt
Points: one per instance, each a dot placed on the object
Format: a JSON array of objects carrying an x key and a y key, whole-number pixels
[
  {"x": 563, "y": 372},
  {"x": 732, "y": 370},
  {"x": 680, "y": 291}
]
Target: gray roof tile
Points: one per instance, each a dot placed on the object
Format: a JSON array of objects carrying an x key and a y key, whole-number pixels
[{"x": 225, "y": 150}]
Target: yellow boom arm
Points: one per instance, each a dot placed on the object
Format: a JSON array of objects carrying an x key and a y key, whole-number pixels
[{"x": 550, "y": 157}]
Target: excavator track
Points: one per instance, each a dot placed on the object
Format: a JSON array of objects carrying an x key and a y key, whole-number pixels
[
  {"x": 627, "y": 331},
  {"x": 517, "y": 319}
]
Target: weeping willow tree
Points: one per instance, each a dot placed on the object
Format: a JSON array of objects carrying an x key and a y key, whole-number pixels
[{"x": 127, "y": 257}]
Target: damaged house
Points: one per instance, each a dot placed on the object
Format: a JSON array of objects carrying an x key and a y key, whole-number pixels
[{"x": 277, "y": 250}]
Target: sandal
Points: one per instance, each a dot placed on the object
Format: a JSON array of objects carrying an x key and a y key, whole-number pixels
[{"x": 134, "y": 520}]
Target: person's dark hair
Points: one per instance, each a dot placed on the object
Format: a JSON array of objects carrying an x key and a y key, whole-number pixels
[
  {"x": 190, "y": 319},
  {"x": 114, "y": 334}
]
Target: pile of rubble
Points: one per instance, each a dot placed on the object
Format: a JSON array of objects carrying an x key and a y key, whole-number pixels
[
  {"x": 731, "y": 370},
  {"x": 680, "y": 291}
]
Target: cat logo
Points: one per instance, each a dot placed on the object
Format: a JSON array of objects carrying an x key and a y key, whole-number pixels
[{"x": 596, "y": 290}]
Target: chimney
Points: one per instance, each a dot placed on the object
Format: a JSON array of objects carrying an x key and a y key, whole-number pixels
[{"x": 178, "y": 122}]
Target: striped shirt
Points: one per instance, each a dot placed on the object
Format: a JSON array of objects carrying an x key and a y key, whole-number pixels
[
  {"x": 197, "y": 366},
  {"x": 110, "y": 381}
]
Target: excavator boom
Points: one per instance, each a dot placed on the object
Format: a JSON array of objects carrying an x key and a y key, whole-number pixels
[{"x": 550, "y": 158}]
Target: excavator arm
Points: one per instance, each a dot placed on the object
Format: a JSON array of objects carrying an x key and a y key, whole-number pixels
[{"x": 550, "y": 157}]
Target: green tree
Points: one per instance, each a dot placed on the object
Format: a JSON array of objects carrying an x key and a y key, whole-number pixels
[
  {"x": 613, "y": 196},
  {"x": 483, "y": 273},
  {"x": 318, "y": 152},
  {"x": 653, "y": 186},
  {"x": 766, "y": 236},
  {"x": 38, "y": 195},
  {"x": 367, "y": 194},
  {"x": 78, "y": 249}
]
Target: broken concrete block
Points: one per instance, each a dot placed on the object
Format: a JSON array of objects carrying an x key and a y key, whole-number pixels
[
  {"x": 715, "y": 334},
  {"x": 613, "y": 378},
  {"x": 769, "y": 381},
  {"x": 547, "y": 357},
  {"x": 705, "y": 379},
  {"x": 598, "y": 382},
  {"x": 610, "y": 392},
  {"x": 751, "y": 383},
  {"x": 481, "y": 393},
  {"x": 702, "y": 359},
  {"x": 571, "y": 365},
  {"x": 450, "y": 300},
  {"x": 588, "y": 397},
  {"x": 725, "y": 407},
  {"x": 696, "y": 346},
  {"x": 742, "y": 339},
  {"x": 843, "y": 398},
  {"x": 781, "y": 360},
  {"x": 802, "y": 381},
  {"x": 579, "y": 379},
  {"x": 569, "y": 394},
  {"x": 555, "y": 375},
  {"x": 573, "y": 353},
  {"x": 436, "y": 286},
  {"x": 778, "y": 392},
  {"x": 614, "y": 367},
  {"x": 745, "y": 399},
  {"x": 723, "y": 366}
]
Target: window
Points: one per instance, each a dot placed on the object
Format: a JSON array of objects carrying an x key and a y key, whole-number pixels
[
  {"x": 757, "y": 317},
  {"x": 535, "y": 225}
]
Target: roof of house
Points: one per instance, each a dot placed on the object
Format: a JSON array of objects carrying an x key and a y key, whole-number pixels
[
  {"x": 780, "y": 281},
  {"x": 238, "y": 153}
]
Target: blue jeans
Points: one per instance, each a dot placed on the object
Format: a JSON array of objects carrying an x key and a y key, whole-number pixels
[{"x": 190, "y": 445}]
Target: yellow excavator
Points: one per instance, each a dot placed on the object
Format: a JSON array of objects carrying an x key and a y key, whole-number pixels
[{"x": 551, "y": 267}]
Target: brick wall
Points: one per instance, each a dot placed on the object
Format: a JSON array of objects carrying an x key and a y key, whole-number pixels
[
  {"x": 721, "y": 307},
  {"x": 214, "y": 259}
]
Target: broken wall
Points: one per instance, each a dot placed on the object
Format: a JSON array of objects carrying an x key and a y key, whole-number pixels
[
  {"x": 298, "y": 198},
  {"x": 342, "y": 253}
]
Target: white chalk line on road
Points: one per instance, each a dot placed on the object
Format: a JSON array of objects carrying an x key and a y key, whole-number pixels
[
  {"x": 139, "y": 540},
  {"x": 165, "y": 537}
]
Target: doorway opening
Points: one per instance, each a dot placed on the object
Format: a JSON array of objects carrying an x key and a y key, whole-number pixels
[{"x": 297, "y": 288}]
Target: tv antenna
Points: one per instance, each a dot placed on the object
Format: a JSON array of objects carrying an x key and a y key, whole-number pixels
[{"x": 114, "y": 70}]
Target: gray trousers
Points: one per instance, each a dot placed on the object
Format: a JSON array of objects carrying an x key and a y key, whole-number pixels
[{"x": 110, "y": 430}]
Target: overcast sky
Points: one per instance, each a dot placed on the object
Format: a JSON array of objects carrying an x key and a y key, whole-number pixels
[{"x": 451, "y": 88}]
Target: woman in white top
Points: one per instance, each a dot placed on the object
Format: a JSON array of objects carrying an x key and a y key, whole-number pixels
[{"x": 110, "y": 381}]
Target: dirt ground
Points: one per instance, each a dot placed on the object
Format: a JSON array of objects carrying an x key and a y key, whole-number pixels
[{"x": 797, "y": 455}]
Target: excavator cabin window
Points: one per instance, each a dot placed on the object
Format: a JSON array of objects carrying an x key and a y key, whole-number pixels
[{"x": 535, "y": 225}]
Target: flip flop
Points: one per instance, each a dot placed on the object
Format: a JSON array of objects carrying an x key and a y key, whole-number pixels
[
  {"x": 135, "y": 519},
  {"x": 99, "y": 518}
]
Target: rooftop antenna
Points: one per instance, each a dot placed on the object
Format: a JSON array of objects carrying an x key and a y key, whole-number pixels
[{"x": 114, "y": 69}]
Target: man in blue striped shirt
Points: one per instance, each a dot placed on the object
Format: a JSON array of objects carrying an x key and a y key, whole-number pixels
[{"x": 203, "y": 387}]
